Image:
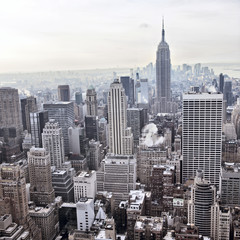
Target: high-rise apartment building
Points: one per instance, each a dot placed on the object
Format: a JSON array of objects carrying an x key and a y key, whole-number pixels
[
  {"x": 120, "y": 137},
  {"x": 91, "y": 102},
  {"x": 28, "y": 105},
  {"x": 10, "y": 122},
  {"x": 163, "y": 76},
  {"x": 202, "y": 135},
  {"x": 63, "y": 113},
  {"x": 13, "y": 197},
  {"x": 63, "y": 93},
  {"x": 41, "y": 189},
  {"x": 128, "y": 85},
  {"x": 53, "y": 143},
  {"x": 37, "y": 123}
]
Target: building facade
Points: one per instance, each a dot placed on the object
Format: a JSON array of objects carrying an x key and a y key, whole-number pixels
[
  {"x": 120, "y": 137},
  {"x": 53, "y": 143},
  {"x": 41, "y": 189},
  {"x": 202, "y": 135}
]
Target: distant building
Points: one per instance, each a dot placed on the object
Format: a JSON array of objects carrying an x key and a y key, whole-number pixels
[
  {"x": 221, "y": 82},
  {"x": 163, "y": 76},
  {"x": 78, "y": 98},
  {"x": 63, "y": 93},
  {"x": 142, "y": 95},
  {"x": 128, "y": 85},
  {"x": 91, "y": 102},
  {"x": 227, "y": 93}
]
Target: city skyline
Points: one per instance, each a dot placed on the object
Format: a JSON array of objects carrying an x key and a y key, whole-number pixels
[{"x": 42, "y": 36}]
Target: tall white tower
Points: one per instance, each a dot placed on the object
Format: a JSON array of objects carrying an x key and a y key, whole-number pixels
[
  {"x": 202, "y": 135},
  {"x": 52, "y": 139},
  {"x": 120, "y": 137}
]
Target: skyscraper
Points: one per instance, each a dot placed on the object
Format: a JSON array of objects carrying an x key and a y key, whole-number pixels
[
  {"x": 221, "y": 82},
  {"x": 128, "y": 85},
  {"x": 202, "y": 207},
  {"x": 163, "y": 76},
  {"x": 91, "y": 102},
  {"x": 10, "y": 122},
  {"x": 78, "y": 97},
  {"x": 202, "y": 135},
  {"x": 120, "y": 137},
  {"x": 63, "y": 93},
  {"x": 37, "y": 123},
  {"x": 39, "y": 163},
  {"x": 63, "y": 113},
  {"x": 52, "y": 139},
  {"x": 28, "y": 105},
  {"x": 227, "y": 93}
]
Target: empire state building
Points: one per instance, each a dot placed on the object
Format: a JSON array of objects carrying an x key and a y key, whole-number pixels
[{"x": 163, "y": 76}]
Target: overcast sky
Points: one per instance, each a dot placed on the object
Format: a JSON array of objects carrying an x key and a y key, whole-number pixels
[{"x": 39, "y": 35}]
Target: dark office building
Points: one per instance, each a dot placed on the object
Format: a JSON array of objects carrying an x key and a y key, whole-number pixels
[
  {"x": 28, "y": 105},
  {"x": 63, "y": 185},
  {"x": 91, "y": 125},
  {"x": 128, "y": 85},
  {"x": 227, "y": 93},
  {"x": 37, "y": 123},
  {"x": 221, "y": 83},
  {"x": 78, "y": 98},
  {"x": 64, "y": 93}
]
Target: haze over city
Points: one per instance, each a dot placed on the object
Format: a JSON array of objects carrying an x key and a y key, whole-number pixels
[{"x": 67, "y": 35}]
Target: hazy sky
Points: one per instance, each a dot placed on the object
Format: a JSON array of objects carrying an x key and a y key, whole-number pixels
[{"x": 41, "y": 35}]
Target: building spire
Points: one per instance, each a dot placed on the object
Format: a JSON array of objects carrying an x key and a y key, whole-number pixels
[{"x": 163, "y": 31}]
